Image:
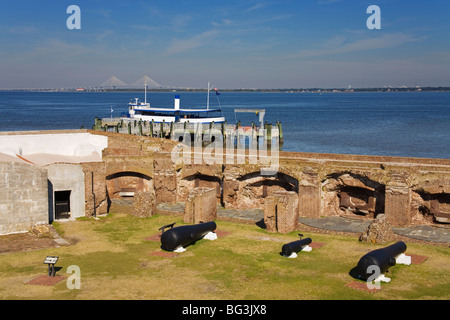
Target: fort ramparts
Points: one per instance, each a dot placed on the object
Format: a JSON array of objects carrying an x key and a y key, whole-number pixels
[{"x": 85, "y": 173}]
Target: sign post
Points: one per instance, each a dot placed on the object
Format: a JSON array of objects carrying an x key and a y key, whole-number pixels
[{"x": 50, "y": 261}]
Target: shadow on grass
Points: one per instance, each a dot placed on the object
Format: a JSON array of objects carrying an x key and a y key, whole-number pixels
[{"x": 261, "y": 224}]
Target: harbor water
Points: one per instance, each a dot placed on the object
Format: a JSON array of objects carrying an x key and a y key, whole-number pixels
[{"x": 410, "y": 124}]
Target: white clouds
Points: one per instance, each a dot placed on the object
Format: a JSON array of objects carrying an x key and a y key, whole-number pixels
[
  {"x": 259, "y": 5},
  {"x": 181, "y": 45},
  {"x": 50, "y": 49},
  {"x": 338, "y": 45},
  {"x": 19, "y": 30},
  {"x": 105, "y": 34},
  {"x": 264, "y": 43},
  {"x": 223, "y": 23}
]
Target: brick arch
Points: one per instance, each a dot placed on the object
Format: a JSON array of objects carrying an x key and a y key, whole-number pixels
[
  {"x": 141, "y": 166},
  {"x": 254, "y": 187},
  {"x": 257, "y": 177},
  {"x": 127, "y": 183},
  {"x": 431, "y": 206},
  {"x": 204, "y": 170},
  {"x": 351, "y": 194},
  {"x": 199, "y": 180}
]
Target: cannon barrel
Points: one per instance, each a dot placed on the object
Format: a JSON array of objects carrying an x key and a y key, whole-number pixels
[
  {"x": 295, "y": 246},
  {"x": 384, "y": 258},
  {"x": 182, "y": 236}
]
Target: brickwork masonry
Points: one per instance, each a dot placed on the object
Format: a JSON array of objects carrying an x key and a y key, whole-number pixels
[
  {"x": 407, "y": 190},
  {"x": 325, "y": 184}
]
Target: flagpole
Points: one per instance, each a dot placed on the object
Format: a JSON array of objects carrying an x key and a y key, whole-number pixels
[
  {"x": 145, "y": 92},
  {"x": 207, "y": 100},
  {"x": 217, "y": 96}
]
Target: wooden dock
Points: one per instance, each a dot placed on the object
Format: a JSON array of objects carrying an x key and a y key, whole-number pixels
[{"x": 240, "y": 135}]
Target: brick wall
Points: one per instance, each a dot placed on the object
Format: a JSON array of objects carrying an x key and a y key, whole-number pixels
[
  {"x": 398, "y": 184},
  {"x": 201, "y": 205}
]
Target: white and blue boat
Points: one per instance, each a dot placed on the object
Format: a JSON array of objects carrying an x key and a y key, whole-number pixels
[{"x": 142, "y": 111}]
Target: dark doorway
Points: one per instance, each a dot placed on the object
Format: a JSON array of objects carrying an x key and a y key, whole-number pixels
[{"x": 62, "y": 204}]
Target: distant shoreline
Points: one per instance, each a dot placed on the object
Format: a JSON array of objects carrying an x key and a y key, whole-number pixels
[{"x": 283, "y": 90}]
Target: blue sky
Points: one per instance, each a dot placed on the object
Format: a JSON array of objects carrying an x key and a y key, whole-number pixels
[{"x": 234, "y": 44}]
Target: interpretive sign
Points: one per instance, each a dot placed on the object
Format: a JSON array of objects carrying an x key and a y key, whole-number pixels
[{"x": 50, "y": 261}]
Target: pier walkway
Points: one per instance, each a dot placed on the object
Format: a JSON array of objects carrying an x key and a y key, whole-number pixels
[
  {"x": 355, "y": 226},
  {"x": 237, "y": 133}
]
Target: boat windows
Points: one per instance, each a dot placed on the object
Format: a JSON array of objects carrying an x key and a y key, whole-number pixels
[
  {"x": 154, "y": 113},
  {"x": 181, "y": 114}
]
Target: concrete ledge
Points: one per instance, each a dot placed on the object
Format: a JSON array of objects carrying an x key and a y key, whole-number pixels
[
  {"x": 337, "y": 224},
  {"x": 425, "y": 233}
]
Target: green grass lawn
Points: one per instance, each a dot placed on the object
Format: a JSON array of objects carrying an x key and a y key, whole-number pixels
[{"x": 115, "y": 262}]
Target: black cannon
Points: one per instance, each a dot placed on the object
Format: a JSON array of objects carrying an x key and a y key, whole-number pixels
[
  {"x": 383, "y": 258},
  {"x": 295, "y": 246},
  {"x": 183, "y": 236}
]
